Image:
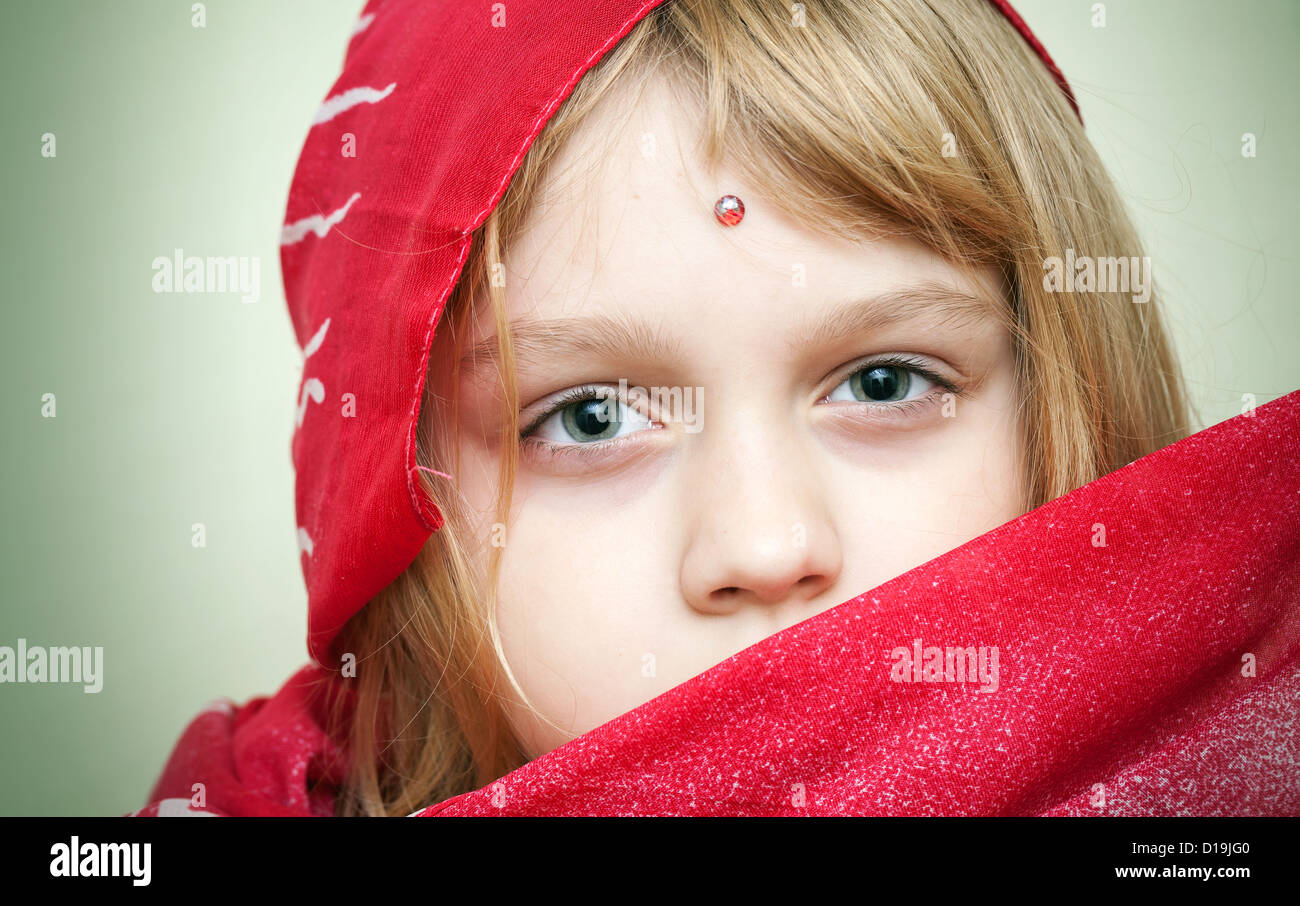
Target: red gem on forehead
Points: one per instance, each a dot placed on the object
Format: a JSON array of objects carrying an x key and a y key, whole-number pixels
[{"x": 729, "y": 210}]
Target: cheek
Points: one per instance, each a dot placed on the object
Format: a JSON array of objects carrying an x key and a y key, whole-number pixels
[
  {"x": 579, "y": 609},
  {"x": 991, "y": 446},
  {"x": 934, "y": 492},
  {"x": 579, "y": 604}
]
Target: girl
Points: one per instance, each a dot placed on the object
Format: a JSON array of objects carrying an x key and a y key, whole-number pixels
[
  {"x": 717, "y": 313},
  {"x": 836, "y": 129}
]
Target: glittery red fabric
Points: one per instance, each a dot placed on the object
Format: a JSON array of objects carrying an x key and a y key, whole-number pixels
[
  {"x": 415, "y": 144},
  {"x": 1147, "y": 629}
]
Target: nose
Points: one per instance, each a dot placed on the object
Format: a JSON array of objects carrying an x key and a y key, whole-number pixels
[{"x": 761, "y": 532}]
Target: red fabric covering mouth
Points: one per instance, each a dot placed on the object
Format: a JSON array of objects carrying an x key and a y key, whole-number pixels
[{"x": 1155, "y": 674}]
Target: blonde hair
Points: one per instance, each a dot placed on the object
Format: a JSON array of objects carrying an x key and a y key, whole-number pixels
[{"x": 842, "y": 121}]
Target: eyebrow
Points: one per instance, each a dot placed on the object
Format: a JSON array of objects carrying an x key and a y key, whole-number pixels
[
  {"x": 944, "y": 306},
  {"x": 538, "y": 340}
]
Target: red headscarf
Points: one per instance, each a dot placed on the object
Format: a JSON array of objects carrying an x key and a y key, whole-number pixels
[{"x": 373, "y": 243}]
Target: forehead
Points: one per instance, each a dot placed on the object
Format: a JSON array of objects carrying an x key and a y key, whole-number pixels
[{"x": 623, "y": 223}]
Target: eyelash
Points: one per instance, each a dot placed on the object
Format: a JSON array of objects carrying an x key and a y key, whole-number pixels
[
  {"x": 905, "y": 363},
  {"x": 582, "y": 452},
  {"x": 904, "y": 408}
]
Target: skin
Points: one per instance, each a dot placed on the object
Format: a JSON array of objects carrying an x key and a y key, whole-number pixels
[{"x": 793, "y": 490}]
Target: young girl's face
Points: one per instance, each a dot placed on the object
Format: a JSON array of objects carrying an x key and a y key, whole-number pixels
[{"x": 828, "y": 416}]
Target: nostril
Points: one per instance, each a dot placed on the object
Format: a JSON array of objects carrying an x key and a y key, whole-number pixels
[{"x": 723, "y": 597}]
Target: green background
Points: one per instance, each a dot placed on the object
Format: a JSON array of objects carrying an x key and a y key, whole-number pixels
[{"x": 177, "y": 409}]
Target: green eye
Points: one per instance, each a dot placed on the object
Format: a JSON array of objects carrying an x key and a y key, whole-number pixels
[
  {"x": 586, "y": 416},
  {"x": 880, "y": 383},
  {"x": 890, "y": 381},
  {"x": 592, "y": 419}
]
